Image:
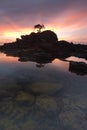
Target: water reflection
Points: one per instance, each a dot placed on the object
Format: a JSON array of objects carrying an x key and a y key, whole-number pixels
[
  {"x": 41, "y": 94},
  {"x": 40, "y": 58},
  {"x": 4, "y": 58},
  {"x": 75, "y": 59}
]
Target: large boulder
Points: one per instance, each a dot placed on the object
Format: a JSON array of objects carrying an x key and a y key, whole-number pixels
[
  {"x": 49, "y": 36},
  {"x": 46, "y": 40}
]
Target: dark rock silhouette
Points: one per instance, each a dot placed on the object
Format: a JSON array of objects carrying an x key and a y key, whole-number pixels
[
  {"x": 44, "y": 40},
  {"x": 80, "y": 68},
  {"x": 43, "y": 48},
  {"x": 71, "y": 49}
]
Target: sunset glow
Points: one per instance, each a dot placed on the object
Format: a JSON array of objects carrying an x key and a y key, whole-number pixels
[
  {"x": 68, "y": 19},
  {"x": 61, "y": 64},
  {"x": 11, "y": 59}
]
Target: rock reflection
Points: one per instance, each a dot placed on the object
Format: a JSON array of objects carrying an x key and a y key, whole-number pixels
[
  {"x": 41, "y": 58},
  {"x": 37, "y": 100},
  {"x": 42, "y": 100}
]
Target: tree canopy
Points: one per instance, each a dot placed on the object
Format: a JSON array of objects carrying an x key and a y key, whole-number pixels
[{"x": 39, "y": 27}]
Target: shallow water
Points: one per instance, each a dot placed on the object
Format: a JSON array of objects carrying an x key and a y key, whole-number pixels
[{"x": 41, "y": 98}]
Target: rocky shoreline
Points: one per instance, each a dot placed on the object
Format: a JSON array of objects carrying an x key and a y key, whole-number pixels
[
  {"x": 43, "y": 48},
  {"x": 46, "y": 41}
]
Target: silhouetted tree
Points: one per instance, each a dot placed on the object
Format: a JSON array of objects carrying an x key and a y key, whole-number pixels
[{"x": 39, "y": 27}]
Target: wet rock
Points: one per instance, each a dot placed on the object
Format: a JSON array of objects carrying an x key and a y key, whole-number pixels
[{"x": 80, "y": 68}]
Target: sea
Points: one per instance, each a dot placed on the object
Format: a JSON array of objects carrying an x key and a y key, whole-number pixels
[{"x": 42, "y": 96}]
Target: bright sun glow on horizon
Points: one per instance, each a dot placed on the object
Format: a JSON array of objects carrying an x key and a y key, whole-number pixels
[
  {"x": 9, "y": 36},
  {"x": 68, "y": 19},
  {"x": 12, "y": 35},
  {"x": 62, "y": 34}
]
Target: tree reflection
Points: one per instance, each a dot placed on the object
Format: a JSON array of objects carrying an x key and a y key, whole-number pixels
[{"x": 39, "y": 65}]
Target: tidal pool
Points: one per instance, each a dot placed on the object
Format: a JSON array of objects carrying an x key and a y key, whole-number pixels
[{"x": 41, "y": 97}]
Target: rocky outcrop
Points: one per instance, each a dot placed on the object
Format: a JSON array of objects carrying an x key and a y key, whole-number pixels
[
  {"x": 80, "y": 68},
  {"x": 44, "y": 40},
  {"x": 70, "y": 49}
]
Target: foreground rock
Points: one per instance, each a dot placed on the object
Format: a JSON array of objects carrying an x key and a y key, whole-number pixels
[{"x": 80, "y": 68}]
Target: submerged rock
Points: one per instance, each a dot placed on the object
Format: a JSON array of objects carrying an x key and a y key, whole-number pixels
[{"x": 45, "y": 88}]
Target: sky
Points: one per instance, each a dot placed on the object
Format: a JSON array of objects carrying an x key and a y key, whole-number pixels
[{"x": 67, "y": 18}]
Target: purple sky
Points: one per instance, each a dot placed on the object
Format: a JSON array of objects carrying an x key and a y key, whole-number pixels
[{"x": 68, "y": 18}]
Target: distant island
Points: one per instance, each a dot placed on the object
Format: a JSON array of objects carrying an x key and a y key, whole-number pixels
[
  {"x": 46, "y": 41},
  {"x": 43, "y": 47}
]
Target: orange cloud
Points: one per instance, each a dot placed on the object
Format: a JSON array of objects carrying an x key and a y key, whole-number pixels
[{"x": 68, "y": 26}]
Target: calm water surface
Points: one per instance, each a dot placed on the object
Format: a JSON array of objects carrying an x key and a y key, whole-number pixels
[{"x": 41, "y": 98}]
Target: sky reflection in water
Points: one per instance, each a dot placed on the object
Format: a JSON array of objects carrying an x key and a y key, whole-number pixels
[{"x": 37, "y": 98}]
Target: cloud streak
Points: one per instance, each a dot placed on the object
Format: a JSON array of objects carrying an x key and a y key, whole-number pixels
[{"x": 66, "y": 16}]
